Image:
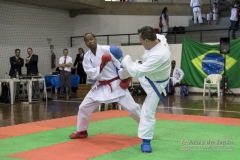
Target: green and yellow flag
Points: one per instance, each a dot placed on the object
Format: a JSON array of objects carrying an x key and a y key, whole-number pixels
[{"x": 199, "y": 60}]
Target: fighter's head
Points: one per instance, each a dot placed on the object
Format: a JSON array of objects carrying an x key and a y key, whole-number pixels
[
  {"x": 147, "y": 37},
  {"x": 90, "y": 41}
]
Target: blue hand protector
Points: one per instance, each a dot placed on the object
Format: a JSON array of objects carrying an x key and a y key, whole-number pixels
[{"x": 116, "y": 52}]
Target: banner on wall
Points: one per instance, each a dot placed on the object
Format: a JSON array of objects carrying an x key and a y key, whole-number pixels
[{"x": 200, "y": 59}]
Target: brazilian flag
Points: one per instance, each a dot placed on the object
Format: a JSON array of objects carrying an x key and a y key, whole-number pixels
[{"x": 199, "y": 60}]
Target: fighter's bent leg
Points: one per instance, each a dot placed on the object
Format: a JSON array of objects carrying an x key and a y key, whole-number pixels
[{"x": 84, "y": 113}]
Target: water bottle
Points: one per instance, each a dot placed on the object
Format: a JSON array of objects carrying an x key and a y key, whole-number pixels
[{"x": 17, "y": 75}]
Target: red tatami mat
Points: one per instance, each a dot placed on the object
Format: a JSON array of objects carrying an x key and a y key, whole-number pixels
[
  {"x": 3, "y": 136},
  {"x": 21, "y": 129},
  {"x": 81, "y": 148}
]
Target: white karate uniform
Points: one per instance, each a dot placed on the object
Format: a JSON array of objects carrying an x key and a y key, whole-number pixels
[
  {"x": 104, "y": 93},
  {"x": 177, "y": 75},
  {"x": 196, "y": 6},
  {"x": 215, "y": 13},
  {"x": 164, "y": 25},
  {"x": 156, "y": 66}
]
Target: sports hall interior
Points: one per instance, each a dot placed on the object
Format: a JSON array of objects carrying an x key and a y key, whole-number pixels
[{"x": 62, "y": 24}]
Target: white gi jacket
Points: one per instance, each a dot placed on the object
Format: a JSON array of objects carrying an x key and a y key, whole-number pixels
[
  {"x": 155, "y": 65},
  {"x": 106, "y": 93},
  {"x": 91, "y": 64},
  {"x": 164, "y": 25},
  {"x": 177, "y": 75},
  {"x": 196, "y": 5}
]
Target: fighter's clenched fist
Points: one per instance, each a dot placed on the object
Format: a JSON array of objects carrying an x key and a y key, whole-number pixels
[{"x": 116, "y": 52}]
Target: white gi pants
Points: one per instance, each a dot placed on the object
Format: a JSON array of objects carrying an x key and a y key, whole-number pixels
[
  {"x": 164, "y": 29},
  {"x": 89, "y": 105},
  {"x": 197, "y": 15},
  {"x": 147, "y": 120}
]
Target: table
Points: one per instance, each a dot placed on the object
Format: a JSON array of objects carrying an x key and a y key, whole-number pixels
[
  {"x": 12, "y": 82},
  {"x": 29, "y": 86},
  {"x": 54, "y": 80}
]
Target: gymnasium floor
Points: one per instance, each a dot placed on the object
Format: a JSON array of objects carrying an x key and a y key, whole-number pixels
[{"x": 190, "y": 128}]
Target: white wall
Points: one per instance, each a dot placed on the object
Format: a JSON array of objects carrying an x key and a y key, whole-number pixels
[
  {"x": 119, "y": 24},
  {"x": 136, "y": 52},
  {"x": 23, "y": 26}
]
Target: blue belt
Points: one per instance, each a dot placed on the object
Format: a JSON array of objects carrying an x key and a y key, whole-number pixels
[{"x": 156, "y": 90}]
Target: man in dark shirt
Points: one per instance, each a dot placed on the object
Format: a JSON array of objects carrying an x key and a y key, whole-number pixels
[
  {"x": 16, "y": 68},
  {"x": 78, "y": 65},
  {"x": 32, "y": 69},
  {"x": 16, "y": 64}
]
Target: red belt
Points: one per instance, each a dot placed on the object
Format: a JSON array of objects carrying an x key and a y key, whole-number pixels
[{"x": 107, "y": 82}]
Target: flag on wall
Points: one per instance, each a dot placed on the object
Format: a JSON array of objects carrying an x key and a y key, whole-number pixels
[{"x": 199, "y": 60}]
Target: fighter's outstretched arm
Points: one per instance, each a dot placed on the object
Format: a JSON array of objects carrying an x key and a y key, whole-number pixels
[{"x": 123, "y": 73}]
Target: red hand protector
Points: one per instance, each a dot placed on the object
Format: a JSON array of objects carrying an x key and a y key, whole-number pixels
[
  {"x": 105, "y": 59},
  {"x": 124, "y": 84}
]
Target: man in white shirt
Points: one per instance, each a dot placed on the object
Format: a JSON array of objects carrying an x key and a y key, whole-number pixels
[
  {"x": 176, "y": 73},
  {"x": 65, "y": 63},
  {"x": 176, "y": 76}
]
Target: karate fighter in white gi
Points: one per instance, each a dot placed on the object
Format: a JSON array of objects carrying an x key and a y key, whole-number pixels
[
  {"x": 197, "y": 14},
  {"x": 176, "y": 74},
  {"x": 152, "y": 73},
  {"x": 100, "y": 65}
]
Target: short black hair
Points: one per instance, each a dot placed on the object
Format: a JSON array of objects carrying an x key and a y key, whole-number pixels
[
  {"x": 65, "y": 49},
  {"x": 17, "y": 50},
  {"x": 164, "y": 10},
  {"x": 90, "y": 34},
  {"x": 81, "y": 49},
  {"x": 147, "y": 32}
]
